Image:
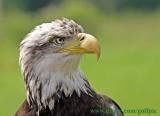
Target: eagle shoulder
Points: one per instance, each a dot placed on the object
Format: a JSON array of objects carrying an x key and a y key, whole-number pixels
[{"x": 111, "y": 105}]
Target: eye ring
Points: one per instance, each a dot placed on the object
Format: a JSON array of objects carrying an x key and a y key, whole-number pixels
[{"x": 59, "y": 41}]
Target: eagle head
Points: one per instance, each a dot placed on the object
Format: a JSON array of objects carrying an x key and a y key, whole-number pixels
[{"x": 49, "y": 60}]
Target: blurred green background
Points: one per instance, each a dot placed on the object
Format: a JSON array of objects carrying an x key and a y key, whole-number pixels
[{"x": 129, "y": 33}]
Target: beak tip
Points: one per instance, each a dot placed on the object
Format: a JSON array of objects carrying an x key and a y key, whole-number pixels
[
  {"x": 98, "y": 53},
  {"x": 98, "y": 57}
]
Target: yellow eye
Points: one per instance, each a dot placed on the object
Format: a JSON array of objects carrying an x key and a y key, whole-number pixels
[{"x": 59, "y": 41}]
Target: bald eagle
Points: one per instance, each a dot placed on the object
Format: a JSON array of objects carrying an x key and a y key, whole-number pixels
[{"x": 55, "y": 85}]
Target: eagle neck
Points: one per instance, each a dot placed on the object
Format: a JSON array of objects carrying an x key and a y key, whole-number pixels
[{"x": 45, "y": 87}]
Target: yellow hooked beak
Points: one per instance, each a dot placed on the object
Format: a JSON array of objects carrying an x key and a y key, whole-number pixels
[{"x": 85, "y": 43}]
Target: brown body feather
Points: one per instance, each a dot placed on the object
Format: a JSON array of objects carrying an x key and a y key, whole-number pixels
[{"x": 85, "y": 105}]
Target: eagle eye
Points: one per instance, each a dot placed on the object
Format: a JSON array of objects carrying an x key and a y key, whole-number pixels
[{"x": 58, "y": 41}]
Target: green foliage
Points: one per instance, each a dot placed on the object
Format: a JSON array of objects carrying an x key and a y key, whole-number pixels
[
  {"x": 128, "y": 69},
  {"x": 109, "y": 5},
  {"x": 122, "y": 5}
]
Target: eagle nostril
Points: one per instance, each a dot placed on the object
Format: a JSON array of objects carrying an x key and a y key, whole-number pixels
[{"x": 82, "y": 38}]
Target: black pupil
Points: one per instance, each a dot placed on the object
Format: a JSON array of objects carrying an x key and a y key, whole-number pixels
[{"x": 60, "y": 40}]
